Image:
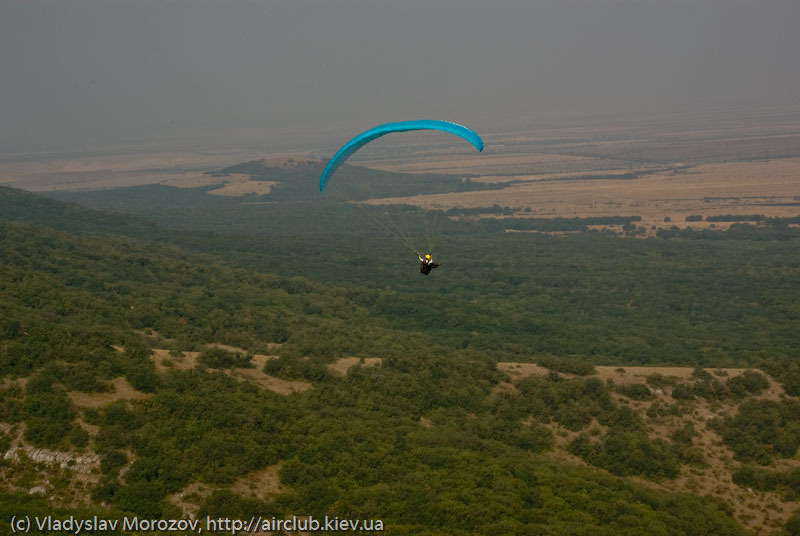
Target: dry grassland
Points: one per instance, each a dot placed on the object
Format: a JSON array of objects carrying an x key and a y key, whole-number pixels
[
  {"x": 241, "y": 187},
  {"x": 92, "y": 172},
  {"x": 577, "y": 175},
  {"x": 500, "y": 164},
  {"x": 688, "y": 167},
  {"x": 693, "y": 148},
  {"x": 232, "y": 185},
  {"x": 769, "y": 187}
]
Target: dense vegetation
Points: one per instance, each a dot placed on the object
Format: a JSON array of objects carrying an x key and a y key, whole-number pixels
[
  {"x": 719, "y": 303},
  {"x": 424, "y": 441},
  {"x": 763, "y": 430}
]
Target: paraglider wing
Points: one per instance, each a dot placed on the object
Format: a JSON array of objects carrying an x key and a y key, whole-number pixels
[{"x": 365, "y": 137}]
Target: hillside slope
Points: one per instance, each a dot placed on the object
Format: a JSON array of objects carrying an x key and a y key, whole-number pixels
[{"x": 421, "y": 439}]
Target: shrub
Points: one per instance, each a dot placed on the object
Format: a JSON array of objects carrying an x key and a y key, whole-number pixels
[
  {"x": 750, "y": 381},
  {"x": 636, "y": 391},
  {"x": 219, "y": 358}
]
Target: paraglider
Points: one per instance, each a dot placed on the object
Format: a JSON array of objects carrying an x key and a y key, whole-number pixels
[
  {"x": 404, "y": 126},
  {"x": 426, "y": 263}
]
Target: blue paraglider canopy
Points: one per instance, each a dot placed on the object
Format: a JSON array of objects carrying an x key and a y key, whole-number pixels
[{"x": 365, "y": 137}]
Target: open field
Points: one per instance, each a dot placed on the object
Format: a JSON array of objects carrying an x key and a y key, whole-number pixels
[
  {"x": 768, "y": 187},
  {"x": 46, "y": 172},
  {"x": 660, "y": 169},
  {"x": 687, "y": 168},
  {"x": 508, "y": 165}
]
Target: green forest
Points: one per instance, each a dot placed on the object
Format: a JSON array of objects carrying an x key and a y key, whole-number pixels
[{"x": 428, "y": 440}]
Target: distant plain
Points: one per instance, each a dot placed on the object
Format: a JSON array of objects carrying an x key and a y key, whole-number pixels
[{"x": 661, "y": 172}]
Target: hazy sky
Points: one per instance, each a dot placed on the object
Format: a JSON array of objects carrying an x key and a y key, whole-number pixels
[{"x": 76, "y": 72}]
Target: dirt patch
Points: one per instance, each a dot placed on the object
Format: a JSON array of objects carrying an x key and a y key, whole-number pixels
[
  {"x": 241, "y": 185},
  {"x": 520, "y": 371},
  {"x": 122, "y": 391},
  {"x": 192, "y": 180},
  {"x": 231, "y": 185},
  {"x": 164, "y": 362},
  {"x": 259, "y": 484},
  {"x": 342, "y": 365},
  {"x": 18, "y": 382},
  {"x": 258, "y": 377},
  {"x": 90, "y": 429},
  {"x": 425, "y": 422},
  {"x": 190, "y": 498}
]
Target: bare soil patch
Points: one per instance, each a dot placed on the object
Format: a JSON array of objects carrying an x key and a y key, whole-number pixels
[
  {"x": 519, "y": 371},
  {"x": 258, "y": 377},
  {"x": 425, "y": 422},
  {"x": 192, "y": 180},
  {"x": 190, "y": 498},
  {"x": 122, "y": 391},
  {"x": 18, "y": 382},
  {"x": 342, "y": 365},
  {"x": 259, "y": 484},
  {"x": 164, "y": 362},
  {"x": 241, "y": 185},
  {"x": 231, "y": 185}
]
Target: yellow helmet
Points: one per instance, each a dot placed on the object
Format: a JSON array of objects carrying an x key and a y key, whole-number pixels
[{"x": 428, "y": 256}]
